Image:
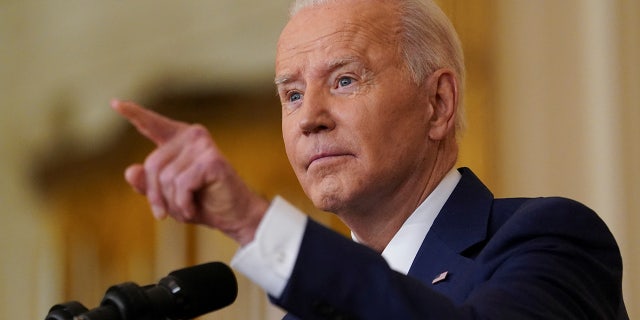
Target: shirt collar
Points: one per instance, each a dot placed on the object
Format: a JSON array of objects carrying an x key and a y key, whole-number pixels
[{"x": 404, "y": 245}]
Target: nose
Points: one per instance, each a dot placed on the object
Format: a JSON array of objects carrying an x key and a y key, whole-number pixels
[{"x": 316, "y": 113}]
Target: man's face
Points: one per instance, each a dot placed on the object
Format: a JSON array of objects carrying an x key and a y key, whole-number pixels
[{"x": 354, "y": 123}]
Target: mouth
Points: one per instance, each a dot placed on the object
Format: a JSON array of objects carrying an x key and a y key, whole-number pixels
[{"x": 324, "y": 157}]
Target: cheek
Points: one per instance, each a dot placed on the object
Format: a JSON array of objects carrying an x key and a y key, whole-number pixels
[
  {"x": 387, "y": 141},
  {"x": 289, "y": 140},
  {"x": 374, "y": 137},
  {"x": 293, "y": 150},
  {"x": 290, "y": 149}
]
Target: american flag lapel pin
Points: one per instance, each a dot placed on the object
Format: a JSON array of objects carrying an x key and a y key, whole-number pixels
[{"x": 440, "y": 277}]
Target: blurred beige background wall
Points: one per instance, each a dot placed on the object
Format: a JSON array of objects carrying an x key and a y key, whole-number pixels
[
  {"x": 568, "y": 107},
  {"x": 553, "y": 110}
]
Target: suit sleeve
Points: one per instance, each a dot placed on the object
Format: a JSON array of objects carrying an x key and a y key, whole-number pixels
[{"x": 553, "y": 259}]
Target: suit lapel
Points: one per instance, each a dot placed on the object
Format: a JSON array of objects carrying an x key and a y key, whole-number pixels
[{"x": 461, "y": 224}]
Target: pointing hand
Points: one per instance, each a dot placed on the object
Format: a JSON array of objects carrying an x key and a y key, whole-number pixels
[{"x": 188, "y": 178}]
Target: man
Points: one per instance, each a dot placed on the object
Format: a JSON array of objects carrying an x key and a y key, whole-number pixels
[{"x": 370, "y": 94}]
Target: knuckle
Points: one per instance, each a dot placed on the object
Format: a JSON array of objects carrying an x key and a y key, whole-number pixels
[
  {"x": 183, "y": 202},
  {"x": 212, "y": 159},
  {"x": 197, "y": 131},
  {"x": 166, "y": 176},
  {"x": 184, "y": 181},
  {"x": 153, "y": 163},
  {"x": 155, "y": 199}
]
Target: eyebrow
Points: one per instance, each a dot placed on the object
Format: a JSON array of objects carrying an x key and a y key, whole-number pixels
[
  {"x": 337, "y": 63},
  {"x": 280, "y": 80},
  {"x": 331, "y": 66}
]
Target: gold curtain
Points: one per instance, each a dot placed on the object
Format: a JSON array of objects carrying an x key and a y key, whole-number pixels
[{"x": 474, "y": 22}]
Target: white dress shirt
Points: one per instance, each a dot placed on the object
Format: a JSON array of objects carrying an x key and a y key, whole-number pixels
[
  {"x": 404, "y": 246},
  {"x": 269, "y": 259}
]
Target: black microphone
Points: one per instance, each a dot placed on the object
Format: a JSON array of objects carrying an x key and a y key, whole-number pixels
[
  {"x": 66, "y": 311},
  {"x": 183, "y": 294}
]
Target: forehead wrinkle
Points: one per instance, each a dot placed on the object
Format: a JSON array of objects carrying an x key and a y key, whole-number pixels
[
  {"x": 378, "y": 32},
  {"x": 360, "y": 35},
  {"x": 331, "y": 65},
  {"x": 324, "y": 69},
  {"x": 342, "y": 61},
  {"x": 308, "y": 46},
  {"x": 290, "y": 52}
]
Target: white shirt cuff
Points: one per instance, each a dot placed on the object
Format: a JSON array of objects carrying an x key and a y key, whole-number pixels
[{"x": 269, "y": 259}]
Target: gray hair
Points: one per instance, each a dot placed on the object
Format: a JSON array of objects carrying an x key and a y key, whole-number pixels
[{"x": 429, "y": 42}]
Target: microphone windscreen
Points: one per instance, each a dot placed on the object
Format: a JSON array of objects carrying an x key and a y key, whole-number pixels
[{"x": 202, "y": 288}]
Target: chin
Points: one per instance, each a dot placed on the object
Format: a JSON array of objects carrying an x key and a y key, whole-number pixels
[
  {"x": 329, "y": 203},
  {"x": 328, "y": 195}
]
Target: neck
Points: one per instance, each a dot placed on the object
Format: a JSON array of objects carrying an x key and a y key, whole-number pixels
[{"x": 377, "y": 223}]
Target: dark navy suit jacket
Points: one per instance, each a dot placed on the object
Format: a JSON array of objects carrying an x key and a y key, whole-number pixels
[{"x": 484, "y": 258}]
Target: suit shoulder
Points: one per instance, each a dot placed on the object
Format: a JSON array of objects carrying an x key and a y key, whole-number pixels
[
  {"x": 546, "y": 210},
  {"x": 550, "y": 216}
]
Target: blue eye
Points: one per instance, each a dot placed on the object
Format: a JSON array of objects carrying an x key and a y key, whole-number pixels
[
  {"x": 345, "y": 81},
  {"x": 295, "y": 96}
]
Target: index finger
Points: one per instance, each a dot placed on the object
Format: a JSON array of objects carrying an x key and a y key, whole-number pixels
[{"x": 154, "y": 126}]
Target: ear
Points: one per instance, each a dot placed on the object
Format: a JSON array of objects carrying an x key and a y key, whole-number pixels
[{"x": 442, "y": 86}]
